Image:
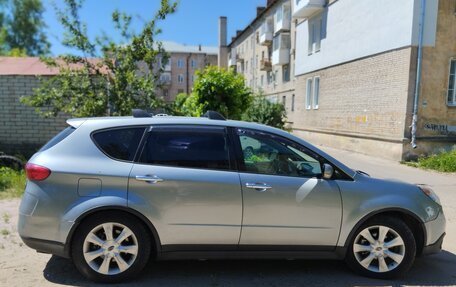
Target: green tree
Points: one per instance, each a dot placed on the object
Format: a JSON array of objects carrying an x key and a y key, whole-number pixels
[
  {"x": 219, "y": 90},
  {"x": 22, "y": 31},
  {"x": 265, "y": 112},
  {"x": 105, "y": 77},
  {"x": 2, "y": 28}
]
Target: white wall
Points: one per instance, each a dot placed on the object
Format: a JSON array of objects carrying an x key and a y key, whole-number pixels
[{"x": 358, "y": 28}]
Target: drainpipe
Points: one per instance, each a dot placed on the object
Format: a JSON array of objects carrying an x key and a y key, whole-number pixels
[{"x": 418, "y": 74}]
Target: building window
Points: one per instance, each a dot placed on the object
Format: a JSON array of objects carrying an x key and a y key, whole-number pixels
[
  {"x": 292, "y": 102},
  {"x": 180, "y": 78},
  {"x": 269, "y": 77},
  {"x": 286, "y": 73},
  {"x": 315, "y": 26},
  {"x": 284, "y": 101},
  {"x": 246, "y": 66},
  {"x": 309, "y": 94},
  {"x": 165, "y": 93},
  {"x": 316, "y": 93},
  {"x": 262, "y": 80},
  {"x": 451, "y": 100},
  {"x": 180, "y": 91},
  {"x": 180, "y": 63},
  {"x": 193, "y": 63}
]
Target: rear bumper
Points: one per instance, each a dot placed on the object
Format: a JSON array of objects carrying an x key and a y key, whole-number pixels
[
  {"x": 46, "y": 246},
  {"x": 435, "y": 247}
]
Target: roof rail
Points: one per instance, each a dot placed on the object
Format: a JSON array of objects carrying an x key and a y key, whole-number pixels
[
  {"x": 138, "y": 113},
  {"x": 212, "y": 115}
]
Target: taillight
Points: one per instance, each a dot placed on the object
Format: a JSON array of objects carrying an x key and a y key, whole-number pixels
[{"x": 36, "y": 172}]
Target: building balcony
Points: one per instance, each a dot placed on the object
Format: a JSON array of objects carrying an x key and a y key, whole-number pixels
[
  {"x": 165, "y": 79},
  {"x": 266, "y": 38},
  {"x": 266, "y": 32},
  {"x": 281, "y": 57},
  {"x": 231, "y": 62},
  {"x": 282, "y": 18},
  {"x": 265, "y": 65},
  {"x": 306, "y": 8},
  {"x": 281, "y": 49}
]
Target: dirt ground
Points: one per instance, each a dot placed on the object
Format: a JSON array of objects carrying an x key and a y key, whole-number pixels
[{"x": 21, "y": 266}]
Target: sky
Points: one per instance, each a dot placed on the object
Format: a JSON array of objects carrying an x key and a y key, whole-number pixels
[{"x": 194, "y": 23}]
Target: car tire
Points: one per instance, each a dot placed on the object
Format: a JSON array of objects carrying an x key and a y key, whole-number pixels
[
  {"x": 105, "y": 258},
  {"x": 389, "y": 258}
]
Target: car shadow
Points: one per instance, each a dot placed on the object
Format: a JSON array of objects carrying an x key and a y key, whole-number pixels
[{"x": 436, "y": 270}]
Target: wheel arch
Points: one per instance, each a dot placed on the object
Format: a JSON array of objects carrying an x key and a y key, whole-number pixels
[
  {"x": 150, "y": 227},
  {"x": 412, "y": 220}
]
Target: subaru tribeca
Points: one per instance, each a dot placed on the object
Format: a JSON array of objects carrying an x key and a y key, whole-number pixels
[{"x": 111, "y": 193}]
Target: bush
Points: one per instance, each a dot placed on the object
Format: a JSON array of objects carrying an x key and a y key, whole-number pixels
[
  {"x": 445, "y": 161},
  {"x": 216, "y": 89},
  {"x": 265, "y": 112},
  {"x": 12, "y": 183}
]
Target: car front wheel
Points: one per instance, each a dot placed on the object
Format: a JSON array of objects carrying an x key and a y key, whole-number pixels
[
  {"x": 384, "y": 248},
  {"x": 111, "y": 247}
]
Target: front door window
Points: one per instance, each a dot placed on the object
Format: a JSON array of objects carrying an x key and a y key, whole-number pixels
[{"x": 269, "y": 154}]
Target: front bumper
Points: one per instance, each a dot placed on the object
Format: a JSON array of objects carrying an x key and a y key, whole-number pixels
[
  {"x": 435, "y": 233},
  {"x": 434, "y": 248}
]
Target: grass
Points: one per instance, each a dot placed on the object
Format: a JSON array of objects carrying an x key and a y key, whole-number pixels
[
  {"x": 6, "y": 217},
  {"x": 12, "y": 183},
  {"x": 444, "y": 162}
]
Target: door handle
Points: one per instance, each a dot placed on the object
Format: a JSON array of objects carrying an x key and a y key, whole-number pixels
[
  {"x": 259, "y": 186},
  {"x": 149, "y": 178}
]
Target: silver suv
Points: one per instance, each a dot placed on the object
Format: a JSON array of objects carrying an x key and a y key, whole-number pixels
[{"x": 111, "y": 193}]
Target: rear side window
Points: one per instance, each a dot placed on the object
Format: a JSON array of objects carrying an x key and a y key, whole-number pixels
[
  {"x": 119, "y": 143},
  {"x": 58, "y": 138},
  {"x": 196, "y": 148}
]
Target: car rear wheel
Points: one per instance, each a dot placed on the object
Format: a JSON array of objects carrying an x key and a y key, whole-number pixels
[
  {"x": 384, "y": 248},
  {"x": 111, "y": 247}
]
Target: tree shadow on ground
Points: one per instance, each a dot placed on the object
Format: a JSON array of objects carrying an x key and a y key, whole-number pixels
[{"x": 436, "y": 270}]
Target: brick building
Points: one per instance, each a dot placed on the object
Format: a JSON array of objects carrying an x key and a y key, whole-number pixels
[
  {"x": 22, "y": 130},
  {"x": 179, "y": 72},
  {"x": 354, "y": 69}
]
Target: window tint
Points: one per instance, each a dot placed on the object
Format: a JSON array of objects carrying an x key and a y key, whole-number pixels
[
  {"x": 197, "y": 148},
  {"x": 58, "y": 138},
  {"x": 119, "y": 143},
  {"x": 268, "y": 154}
]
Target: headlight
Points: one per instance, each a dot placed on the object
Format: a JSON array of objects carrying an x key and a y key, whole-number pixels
[{"x": 429, "y": 192}]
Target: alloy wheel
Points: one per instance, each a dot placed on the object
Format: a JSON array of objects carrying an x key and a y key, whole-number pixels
[
  {"x": 110, "y": 248},
  {"x": 379, "y": 248}
]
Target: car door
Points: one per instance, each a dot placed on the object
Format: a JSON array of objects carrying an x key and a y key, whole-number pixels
[
  {"x": 186, "y": 184},
  {"x": 286, "y": 202}
]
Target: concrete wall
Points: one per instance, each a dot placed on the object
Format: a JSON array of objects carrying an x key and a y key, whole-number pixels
[
  {"x": 21, "y": 129},
  {"x": 354, "y": 29}
]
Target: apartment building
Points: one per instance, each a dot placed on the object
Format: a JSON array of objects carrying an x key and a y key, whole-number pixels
[
  {"x": 262, "y": 52},
  {"x": 355, "y": 65},
  {"x": 178, "y": 73}
]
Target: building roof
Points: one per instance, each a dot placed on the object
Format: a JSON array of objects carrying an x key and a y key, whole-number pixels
[
  {"x": 270, "y": 4},
  {"x": 31, "y": 66},
  {"x": 170, "y": 46}
]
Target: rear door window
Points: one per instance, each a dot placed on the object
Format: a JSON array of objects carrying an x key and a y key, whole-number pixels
[
  {"x": 205, "y": 148},
  {"x": 119, "y": 143}
]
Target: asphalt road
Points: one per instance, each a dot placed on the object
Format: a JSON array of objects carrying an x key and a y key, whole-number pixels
[{"x": 438, "y": 270}]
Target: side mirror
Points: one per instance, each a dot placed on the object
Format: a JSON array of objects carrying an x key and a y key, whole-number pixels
[{"x": 328, "y": 171}]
